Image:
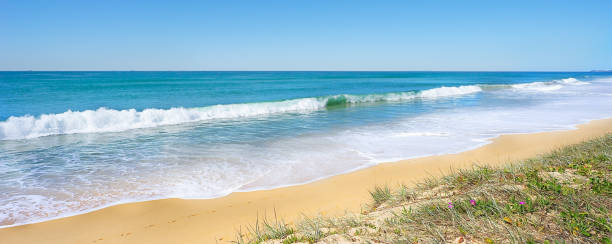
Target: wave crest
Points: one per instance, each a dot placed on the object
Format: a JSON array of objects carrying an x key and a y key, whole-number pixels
[
  {"x": 434, "y": 93},
  {"x": 110, "y": 120},
  {"x": 550, "y": 85}
]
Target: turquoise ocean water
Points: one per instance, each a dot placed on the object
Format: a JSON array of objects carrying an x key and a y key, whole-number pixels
[{"x": 72, "y": 142}]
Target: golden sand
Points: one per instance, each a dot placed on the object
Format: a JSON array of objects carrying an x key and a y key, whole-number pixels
[{"x": 217, "y": 220}]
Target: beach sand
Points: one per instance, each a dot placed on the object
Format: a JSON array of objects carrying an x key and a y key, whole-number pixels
[{"x": 217, "y": 220}]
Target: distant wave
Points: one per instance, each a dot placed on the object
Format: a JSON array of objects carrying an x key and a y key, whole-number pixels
[
  {"x": 551, "y": 85},
  {"x": 110, "y": 120},
  {"x": 434, "y": 93}
]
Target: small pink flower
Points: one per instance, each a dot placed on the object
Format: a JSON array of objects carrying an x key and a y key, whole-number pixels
[
  {"x": 473, "y": 202},
  {"x": 450, "y": 205},
  {"x": 521, "y": 203}
]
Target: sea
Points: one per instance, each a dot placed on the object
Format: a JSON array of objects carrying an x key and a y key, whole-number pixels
[{"x": 74, "y": 142}]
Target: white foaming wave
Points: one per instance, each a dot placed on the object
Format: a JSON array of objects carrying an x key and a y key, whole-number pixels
[
  {"x": 111, "y": 120},
  {"x": 449, "y": 91},
  {"x": 572, "y": 81},
  {"x": 550, "y": 85},
  {"x": 538, "y": 86},
  {"x": 433, "y": 93}
]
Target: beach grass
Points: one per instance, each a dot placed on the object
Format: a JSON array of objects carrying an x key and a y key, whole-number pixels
[{"x": 564, "y": 196}]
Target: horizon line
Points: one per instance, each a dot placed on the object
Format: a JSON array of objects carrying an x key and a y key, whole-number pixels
[{"x": 187, "y": 70}]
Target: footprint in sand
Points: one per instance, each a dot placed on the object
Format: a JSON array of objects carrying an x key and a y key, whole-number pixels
[
  {"x": 171, "y": 221},
  {"x": 149, "y": 226}
]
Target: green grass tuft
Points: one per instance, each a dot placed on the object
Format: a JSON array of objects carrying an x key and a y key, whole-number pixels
[
  {"x": 380, "y": 194},
  {"x": 264, "y": 230}
]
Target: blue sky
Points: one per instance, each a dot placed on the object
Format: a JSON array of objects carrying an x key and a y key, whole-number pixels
[{"x": 305, "y": 35}]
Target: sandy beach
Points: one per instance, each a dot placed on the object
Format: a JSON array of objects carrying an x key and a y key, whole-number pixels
[{"x": 217, "y": 220}]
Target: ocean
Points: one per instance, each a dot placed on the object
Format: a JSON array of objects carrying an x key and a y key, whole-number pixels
[{"x": 73, "y": 142}]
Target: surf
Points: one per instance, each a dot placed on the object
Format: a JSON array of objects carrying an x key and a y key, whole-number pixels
[{"x": 104, "y": 119}]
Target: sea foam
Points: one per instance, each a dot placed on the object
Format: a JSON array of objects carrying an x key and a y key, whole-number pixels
[
  {"x": 111, "y": 120},
  {"x": 551, "y": 85}
]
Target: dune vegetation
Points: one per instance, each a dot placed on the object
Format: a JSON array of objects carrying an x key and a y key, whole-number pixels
[{"x": 564, "y": 196}]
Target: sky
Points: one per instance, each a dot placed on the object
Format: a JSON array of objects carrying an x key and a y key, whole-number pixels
[{"x": 306, "y": 35}]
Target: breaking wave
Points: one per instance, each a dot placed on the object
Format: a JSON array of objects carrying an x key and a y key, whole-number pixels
[
  {"x": 549, "y": 86},
  {"x": 110, "y": 120}
]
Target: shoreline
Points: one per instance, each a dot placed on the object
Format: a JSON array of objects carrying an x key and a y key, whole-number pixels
[
  {"x": 252, "y": 189},
  {"x": 218, "y": 219}
]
